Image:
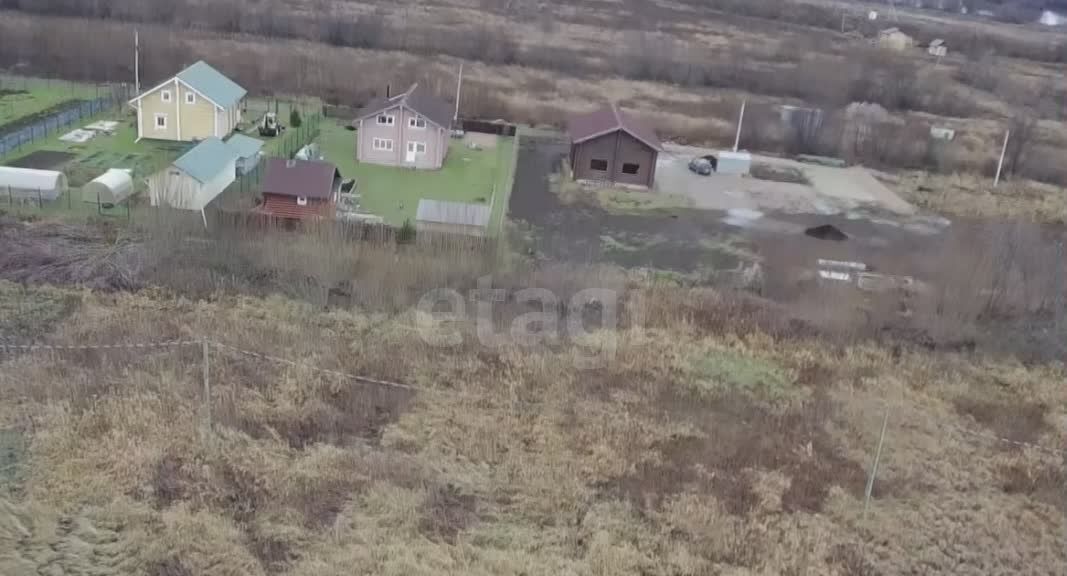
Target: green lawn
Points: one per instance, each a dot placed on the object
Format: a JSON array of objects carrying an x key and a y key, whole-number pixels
[
  {"x": 20, "y": 97},
  {"x": 474, "y": 176},
  {"x": 94, "y": 158}
]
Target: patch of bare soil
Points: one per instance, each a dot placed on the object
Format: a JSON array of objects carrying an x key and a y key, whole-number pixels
[
  {"x": 1042, "y": 483},
  {"x": 764, "y": 171},
  {"x": 42, "y": 160},
  {"x": 61, "y": 254},
  {"x": 725, "y": 455},
  {"x": 446, "y": 512},
  {"x": 1020, "y": 421}
]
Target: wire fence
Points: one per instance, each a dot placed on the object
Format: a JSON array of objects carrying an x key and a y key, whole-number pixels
[
  {"x": 25, "y": 129},
  {"x": 225, "y": 386},
  {"x": 68, "y": 201}
]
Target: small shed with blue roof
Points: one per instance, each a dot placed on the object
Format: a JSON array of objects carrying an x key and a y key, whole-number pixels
[
  {"x": 248, "y": 149},
  {"x": 196, "y": 178},
  {"x": 198, "y": 103}
]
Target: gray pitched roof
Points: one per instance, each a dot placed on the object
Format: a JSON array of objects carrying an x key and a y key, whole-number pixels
[
  {"x": 212, "y": 83},
  {"x": 418, "y": 99},
  {"x": 244, "y": 146},
  {"x": 582, "y": 127},
  {"x": 443, "y": 212},
  {"x": 206, "y": 160}
]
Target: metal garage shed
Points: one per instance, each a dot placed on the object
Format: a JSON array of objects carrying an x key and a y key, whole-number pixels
[
  {"x": 452, "y": 218},
  {"x": 733, "y": 162},
  {"x": 111, "y": 187},
  {"x": 25, "y": 183}
]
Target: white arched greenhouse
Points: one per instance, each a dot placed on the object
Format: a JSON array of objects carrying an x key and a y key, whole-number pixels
[
  {"x": 110, "y": 188},
  {"x": 27, "y": 184}
]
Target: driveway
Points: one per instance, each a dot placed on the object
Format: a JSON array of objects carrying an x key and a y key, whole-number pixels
[{"x": 831, "y": 190}]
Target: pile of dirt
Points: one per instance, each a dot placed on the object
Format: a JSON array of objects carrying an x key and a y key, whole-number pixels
[
  {"x": 774, "y": 173},
  {"x": 62, "y": 254}
]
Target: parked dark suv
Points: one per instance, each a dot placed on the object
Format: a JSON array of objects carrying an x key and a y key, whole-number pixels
[{"x": 701, "y": 166}]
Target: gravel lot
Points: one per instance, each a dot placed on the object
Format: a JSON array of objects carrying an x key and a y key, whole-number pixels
[{"x": 832, "y": 190}]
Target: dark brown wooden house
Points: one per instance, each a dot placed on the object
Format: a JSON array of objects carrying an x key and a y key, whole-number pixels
[
  {"x": 300, "y": 189},
  {"x": 613, "y": 146}
]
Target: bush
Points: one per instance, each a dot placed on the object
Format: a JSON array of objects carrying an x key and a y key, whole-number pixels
[
  {"x": 294, "y": 118},
  {"x": 406, "y": 233}
]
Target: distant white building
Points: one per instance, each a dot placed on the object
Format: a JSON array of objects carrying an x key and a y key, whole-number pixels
[
  {"x": 1050, "y": 18},
  {"x": 942, "y": 133},
  {"x": 937, "y": 48},
  {"x": 895, "y": 39}
]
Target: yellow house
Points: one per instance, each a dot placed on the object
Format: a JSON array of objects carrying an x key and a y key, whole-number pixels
[{"x": 196, "y": 104}]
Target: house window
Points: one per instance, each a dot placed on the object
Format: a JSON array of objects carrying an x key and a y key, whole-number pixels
[
  {"x": 165, "y": 95},
  {"x": 628, "y": 168},
  {"x": 382, "y": 144},
  {"x": 161, "y": 121},
  {"x": 417, "y": 147},
  {"x": 301, "y": 201},
  {"x": 598, "y": 165},
  {"x": 417, "y": 122},
  {"x": 190, "y": 97},
  {"x": 386, "y": 119}
]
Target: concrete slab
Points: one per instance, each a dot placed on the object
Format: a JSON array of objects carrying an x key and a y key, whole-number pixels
[{"x": 831, "y": 190}]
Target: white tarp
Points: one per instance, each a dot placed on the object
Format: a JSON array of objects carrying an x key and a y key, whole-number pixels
[
  {"x": 107, "y": 126},
  {"x": 111, "y": 187},
  {"x": 29, "y": 183},
  {"x": 78, "y": 136}
]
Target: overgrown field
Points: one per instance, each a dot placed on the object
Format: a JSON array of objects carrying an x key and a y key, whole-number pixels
[
  {"x": 22, "y": 99},
  {"x": 685, "y": 65},
  {"x": 715, "y": 439}
]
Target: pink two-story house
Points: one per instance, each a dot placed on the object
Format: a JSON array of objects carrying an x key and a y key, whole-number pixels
[{"x": 410, "y": 129}]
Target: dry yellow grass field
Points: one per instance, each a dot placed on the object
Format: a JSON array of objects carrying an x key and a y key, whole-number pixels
[{"x": 714, "y": 442}]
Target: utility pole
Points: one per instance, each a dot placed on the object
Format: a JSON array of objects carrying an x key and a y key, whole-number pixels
[
  {"x": 136, "y": 63},
  {"x": 459, "y": 89},
  {"x": 740, "y": 122},
  {"x": 1003, "y": 151}
]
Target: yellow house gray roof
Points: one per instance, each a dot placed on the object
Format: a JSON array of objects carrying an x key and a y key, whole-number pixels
[{"x": 212, "y": 84}]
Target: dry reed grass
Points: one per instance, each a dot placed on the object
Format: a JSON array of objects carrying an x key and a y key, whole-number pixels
[{"x": 718, "y": 440}]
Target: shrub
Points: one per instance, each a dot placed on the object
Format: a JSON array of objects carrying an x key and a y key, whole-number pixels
[
  {"x": 406, "y": 233},
  {"x": 294, "y": 118}
]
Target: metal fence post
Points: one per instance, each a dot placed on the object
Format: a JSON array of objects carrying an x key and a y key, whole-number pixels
[
  {"x": 207, "y": 384},
  {"x": 40, "y": 200},
  {"x": 874, "y": 467}
]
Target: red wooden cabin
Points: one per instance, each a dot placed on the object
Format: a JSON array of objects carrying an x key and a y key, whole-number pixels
[{"x": 300, "y": 189}]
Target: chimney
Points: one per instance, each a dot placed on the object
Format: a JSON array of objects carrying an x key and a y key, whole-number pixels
[{"x": 387, "y": 91}]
